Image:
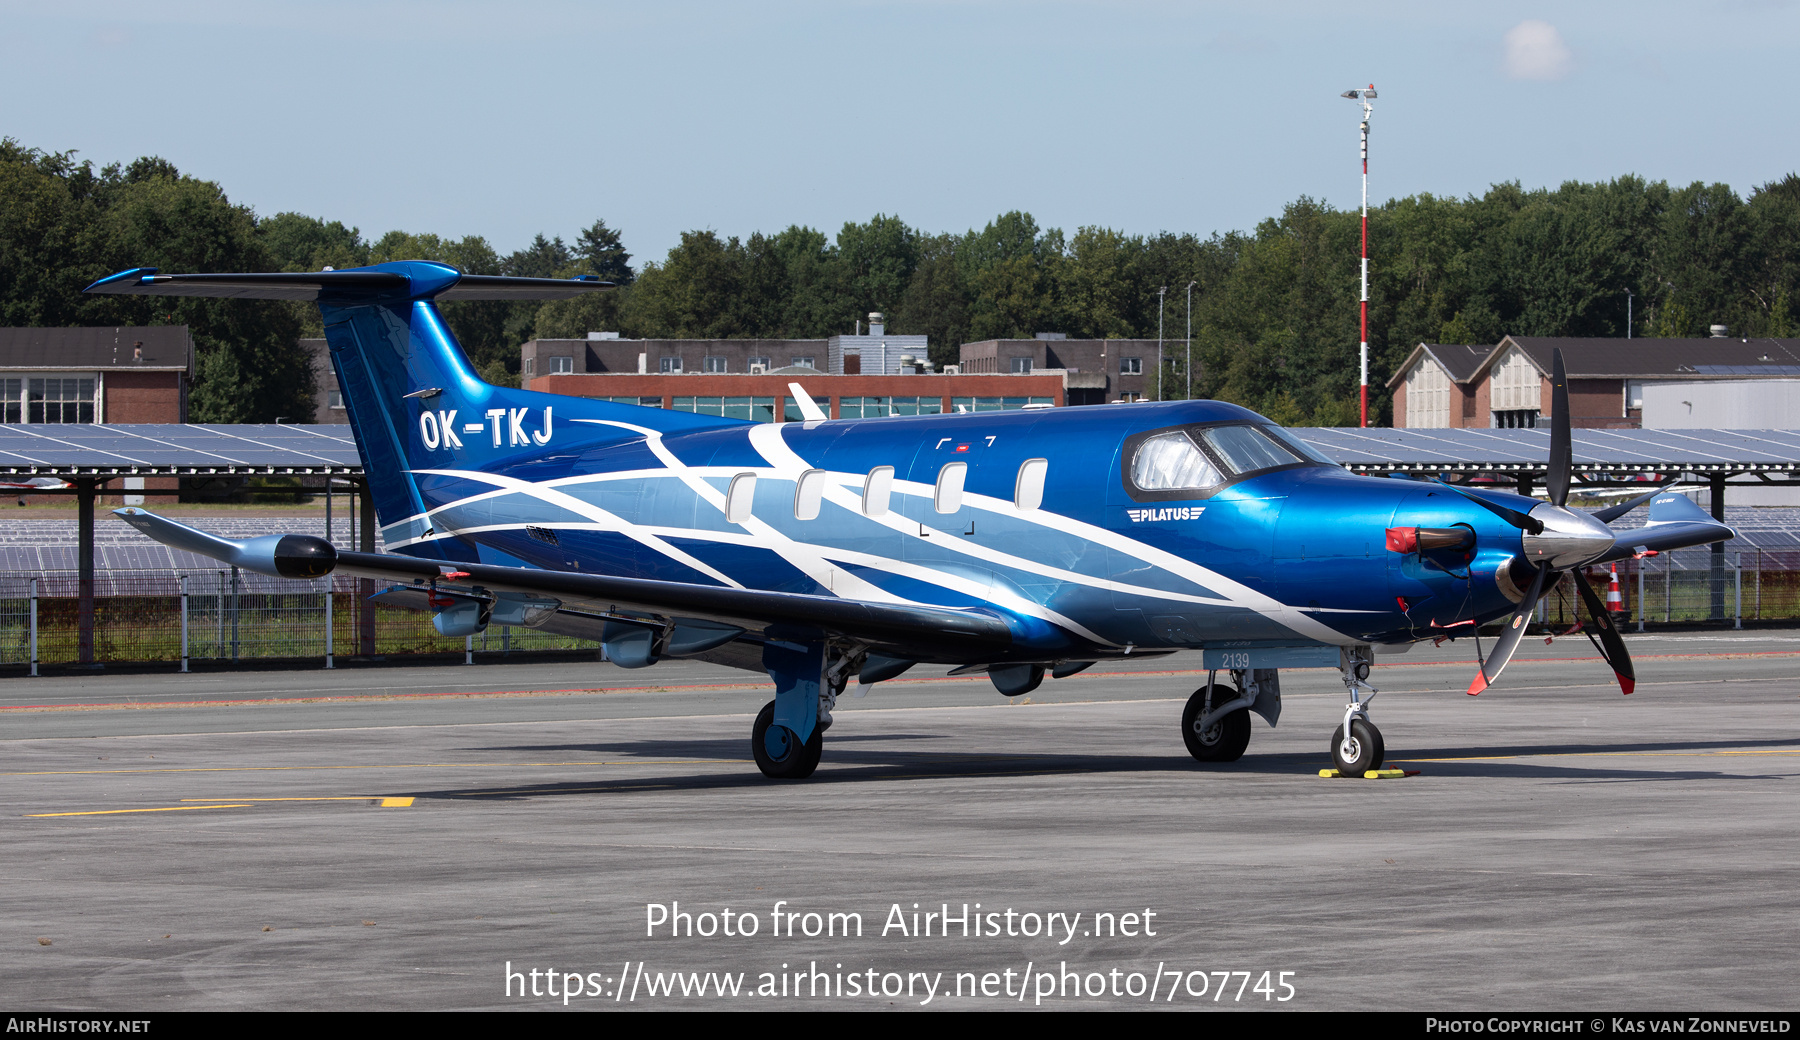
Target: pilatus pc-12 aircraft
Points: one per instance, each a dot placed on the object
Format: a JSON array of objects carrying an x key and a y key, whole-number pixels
[{"x": 1022, "y": 544}]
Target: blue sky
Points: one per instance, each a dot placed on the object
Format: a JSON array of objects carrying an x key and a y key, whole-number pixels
[{"x": 1145, "y": 115}]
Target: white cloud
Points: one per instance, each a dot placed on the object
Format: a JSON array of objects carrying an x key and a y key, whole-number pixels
[{"x": 1535, "y": 50}]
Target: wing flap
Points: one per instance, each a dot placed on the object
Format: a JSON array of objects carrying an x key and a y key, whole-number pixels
[{"x": 952, "y": 634}]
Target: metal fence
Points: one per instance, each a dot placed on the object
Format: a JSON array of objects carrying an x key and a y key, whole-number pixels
[
  {"x": 1691, "y": 586},
  {"x": 151, "y": 616},
  {"x": 226, "y": 616}
]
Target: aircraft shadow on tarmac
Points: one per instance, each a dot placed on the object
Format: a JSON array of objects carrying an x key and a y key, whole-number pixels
[{"x": 877, "y": 763}]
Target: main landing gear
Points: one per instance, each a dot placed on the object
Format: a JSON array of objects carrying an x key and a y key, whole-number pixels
[
  {"x": 788, "y": 736},
  {"x": 1216, "y": 735},
  {"x": 1215, "y": 725},
  {"x": 779, "y": 753},
  {"x": 1356, "y": 745}
]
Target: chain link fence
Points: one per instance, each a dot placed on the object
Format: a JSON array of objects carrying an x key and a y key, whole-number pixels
[{"x": 225, "y": 616}]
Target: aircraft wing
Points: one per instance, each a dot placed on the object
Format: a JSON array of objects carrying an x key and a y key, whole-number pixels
[{"x": 926, "y": 632}]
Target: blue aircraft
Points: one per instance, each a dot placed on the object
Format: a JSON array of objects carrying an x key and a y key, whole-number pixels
[{"x": 1021, "y": 544}]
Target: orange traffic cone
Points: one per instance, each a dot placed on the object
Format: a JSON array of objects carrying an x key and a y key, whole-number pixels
[{"x": 1615, "y": 603}]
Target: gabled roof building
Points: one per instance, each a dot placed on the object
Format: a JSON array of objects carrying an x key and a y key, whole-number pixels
[{"x": 1508, "y": 385}]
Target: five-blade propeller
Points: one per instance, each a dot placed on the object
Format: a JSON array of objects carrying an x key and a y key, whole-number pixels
[{"x": 1554, "y": 556}]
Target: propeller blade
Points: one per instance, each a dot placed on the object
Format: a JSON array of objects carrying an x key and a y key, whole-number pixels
[
  {"x": 1556, "y": 478},
  {"x": 1509, "y": 640},
  {"x": 1610, "y": 644},
  {"x": 1512, "y": 516},
  {"x": 1611, "y": 513}
]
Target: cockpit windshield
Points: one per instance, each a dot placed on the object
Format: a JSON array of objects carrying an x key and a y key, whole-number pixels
[
  {"x": 1246, "y": 449},
  {"x": 1206, "y": 457}
]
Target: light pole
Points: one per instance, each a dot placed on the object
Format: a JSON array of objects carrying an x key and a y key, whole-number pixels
[
  {"x": 1187, "y": 373},
  {"x": 1363, "y": 96},
  {"x": 1160, "y": 295},
  {"x": 1628, "y": 314}
]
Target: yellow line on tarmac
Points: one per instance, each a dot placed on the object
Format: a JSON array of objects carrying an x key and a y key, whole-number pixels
[
  {"x": 114, "y": 812},
  {"x": 397, "y": 765},
  {"x": 1605, "y": 754}
]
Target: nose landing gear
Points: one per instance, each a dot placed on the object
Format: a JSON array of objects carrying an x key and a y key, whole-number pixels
[{"x": 1356, "y": 745}]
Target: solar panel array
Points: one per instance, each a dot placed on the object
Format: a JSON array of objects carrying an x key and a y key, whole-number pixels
[
  {"x": 175, "y": 449},
  {"x": 1428, "y": 450}
]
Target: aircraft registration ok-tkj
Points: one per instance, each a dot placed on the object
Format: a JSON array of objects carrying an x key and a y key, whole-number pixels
[{"x": 1022, "y": 544}]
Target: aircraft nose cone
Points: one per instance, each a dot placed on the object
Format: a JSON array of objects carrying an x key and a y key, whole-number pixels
[{"x": 1569, "y": 539}]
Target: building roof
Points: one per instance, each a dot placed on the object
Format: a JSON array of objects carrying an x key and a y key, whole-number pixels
[
  {"x": 1642, "y": 358},
  {"x": 166, "y": 348},
  {"x": 1409, "y": 450},
  {"x": 1461, "y": 362}
]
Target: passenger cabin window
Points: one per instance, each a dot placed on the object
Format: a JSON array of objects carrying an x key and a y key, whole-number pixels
[
  {"x": 877, "y": 489},
  {"x": 1028, "y": 491},
  {"x": 739, "y": 497},
  {"x": 809, "y": 490},
  {"x": 1171, "y": 462},
  {"x": 948, "y": 498}
]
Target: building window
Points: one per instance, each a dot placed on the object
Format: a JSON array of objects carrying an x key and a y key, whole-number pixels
[
  {"x": 1021, "y": 366},
  {"x": 1516, "y": 419},
  {"x": 335, "y": 399},
  {"x": 712, "y": 364},
  {"x": 808, "y": 362},
  {"x": 57, "y": 401},
  {"x": 763, "y": 361},
  {"x": 759, "y": 409},
  {"x": 1130, "y": 397},
  {"x": 996, "y": 404},
  {"x": 529, "y": 365},
  {"x": 561, "y": 366},
  {"x": 669, "y": 365},
  {"x": 1131, "y": 366}
]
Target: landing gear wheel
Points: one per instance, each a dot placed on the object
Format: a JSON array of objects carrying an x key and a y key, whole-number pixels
[
  {"x": 1363, "y": 752},
  {"x": 1224, "y": 740},
  {"x": 779, "y": 753}
]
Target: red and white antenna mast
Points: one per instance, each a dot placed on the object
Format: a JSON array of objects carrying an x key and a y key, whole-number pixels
[{"x": 1363, "y": 97}]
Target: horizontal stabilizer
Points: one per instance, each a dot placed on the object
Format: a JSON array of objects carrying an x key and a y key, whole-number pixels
[
  {"x": 1664, "y": 537},
  {"x": 405, "y": 280}
]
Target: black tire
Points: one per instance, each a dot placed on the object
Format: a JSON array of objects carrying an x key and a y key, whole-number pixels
[
  {"x": 1223, "y": 741},
  {"x": 1370, "y": 749},
  {"x": 799, "y": 760}
]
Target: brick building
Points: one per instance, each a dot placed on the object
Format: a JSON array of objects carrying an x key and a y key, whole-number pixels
[
  {"x": 765, "y": 397},
  {"x": 1508, "y": 385},
  {"x": 122, "y": 374},
  {"x": 1095, "y": 371}
]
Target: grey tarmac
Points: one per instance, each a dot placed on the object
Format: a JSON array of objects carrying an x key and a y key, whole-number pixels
[{"x": 393, "y": 837}]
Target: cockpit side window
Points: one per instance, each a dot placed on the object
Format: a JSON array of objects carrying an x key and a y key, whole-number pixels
[{"x": 1171, "y": 462}]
